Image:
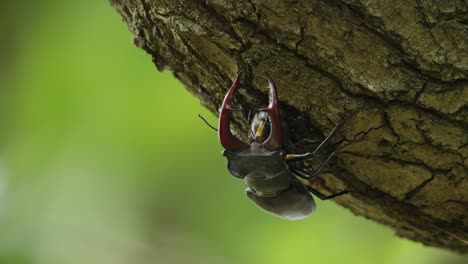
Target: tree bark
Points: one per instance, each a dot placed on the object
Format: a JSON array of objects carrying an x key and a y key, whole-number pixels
[{"x": 401, "y": 67}]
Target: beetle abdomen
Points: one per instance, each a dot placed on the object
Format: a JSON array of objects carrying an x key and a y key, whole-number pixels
[
  {"x": 267, "y": 184},
  {"x": 293, "y": 203}
]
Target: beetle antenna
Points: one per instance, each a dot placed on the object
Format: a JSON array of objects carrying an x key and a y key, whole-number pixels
[{"x": 206, "y": 122}]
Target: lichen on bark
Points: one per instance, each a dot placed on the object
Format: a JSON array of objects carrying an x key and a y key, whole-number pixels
[{"x": 404, "y": 65}]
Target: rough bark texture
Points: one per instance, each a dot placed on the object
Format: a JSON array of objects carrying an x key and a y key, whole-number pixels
[{"x": 404, "y": 155}]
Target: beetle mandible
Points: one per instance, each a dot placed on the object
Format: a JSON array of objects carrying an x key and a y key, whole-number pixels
[{"x": 265, "y": 166}]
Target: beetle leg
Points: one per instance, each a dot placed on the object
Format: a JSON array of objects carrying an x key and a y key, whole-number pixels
[
  {"x": 274, "y": 141},
  {"x": 314, "y": 191},
  {"x": 329, "y": 137},
  {"x": 318, "y": 171},
  {"x": 301, "y": 174},
  {"x": 227, "y": 139},
  {"x": 322, "y": 166},
  {"x": 309, "y": 155},
  {"x": 321, "y": 196},
  {"x": 306, "y": 142}
]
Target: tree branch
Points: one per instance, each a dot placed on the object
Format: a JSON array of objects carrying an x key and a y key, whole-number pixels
[{"x": 404, "y": 156}]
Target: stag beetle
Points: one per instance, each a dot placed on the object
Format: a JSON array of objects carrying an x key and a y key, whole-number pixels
[{"x": 267, "y": 169}]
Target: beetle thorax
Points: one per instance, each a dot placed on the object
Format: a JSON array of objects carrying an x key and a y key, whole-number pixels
[{"x": 263, "y": 171}]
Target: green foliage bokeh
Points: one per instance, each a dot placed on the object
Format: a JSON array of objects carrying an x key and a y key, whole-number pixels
[{"x": 104, "y": 160}]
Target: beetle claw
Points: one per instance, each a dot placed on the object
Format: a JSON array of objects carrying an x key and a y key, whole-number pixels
[
  {"x": 274, "y": 141},
  {"x": 227, "y": 139}
]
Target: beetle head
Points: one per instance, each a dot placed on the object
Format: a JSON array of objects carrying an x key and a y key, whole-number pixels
[{"x": 232, "y": 143}]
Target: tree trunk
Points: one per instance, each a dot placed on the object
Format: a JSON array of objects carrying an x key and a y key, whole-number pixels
[{"x": 400, "y": 68}]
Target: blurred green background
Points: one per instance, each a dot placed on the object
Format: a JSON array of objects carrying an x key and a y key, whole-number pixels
[{"x": 104, "y": 160}]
